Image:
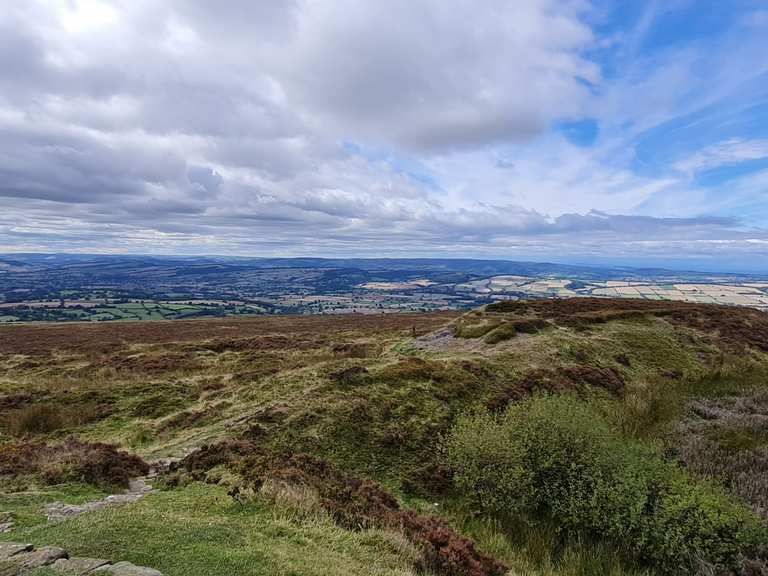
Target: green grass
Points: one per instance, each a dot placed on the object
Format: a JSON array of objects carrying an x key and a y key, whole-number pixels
[
  {"x": 539, "y": 548},
  {"x": 25, "y": 502},
  {"x": 466, "y": 329},
  {"x": 200, "y": 530},
  {"x": 503, "y": 332}
]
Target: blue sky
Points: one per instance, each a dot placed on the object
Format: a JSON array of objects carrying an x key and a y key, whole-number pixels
[{"x": 562, "y": 130}]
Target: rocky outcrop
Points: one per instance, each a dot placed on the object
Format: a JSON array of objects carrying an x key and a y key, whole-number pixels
[{"x": 21, "y": 559}]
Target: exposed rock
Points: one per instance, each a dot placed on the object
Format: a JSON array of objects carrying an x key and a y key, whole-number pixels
[
  {"x": 127, "y": 569},
  {"x": 78, "y": 566},
  {"x": 21, "y": 558},
  {"x": 58, "y": 511},
  {"x": 6, "y": 522},
  {"x": 39, "y": 557},
  {"x": 10, "y": 549}
]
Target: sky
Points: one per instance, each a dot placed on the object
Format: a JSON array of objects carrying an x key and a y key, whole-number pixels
[{"x": 602, "y": 132}]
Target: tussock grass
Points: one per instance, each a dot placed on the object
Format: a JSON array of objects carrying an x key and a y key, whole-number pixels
[
  {"x": 540, "y": 549},
  {"x": 37, "y": 419},
  {"x": 200, "y": 530},
  {"x": 504, "y": 331}
]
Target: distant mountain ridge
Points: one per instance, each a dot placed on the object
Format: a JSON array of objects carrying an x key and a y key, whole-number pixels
[{"x": 481, "y": 267}]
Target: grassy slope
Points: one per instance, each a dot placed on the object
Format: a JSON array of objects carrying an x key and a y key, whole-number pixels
[
  {"x": 285, "y": 384},
  {"x": 200, "y": 530}
]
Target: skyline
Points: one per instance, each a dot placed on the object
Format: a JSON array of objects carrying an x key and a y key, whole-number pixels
[{"x": 564, "y": 131}]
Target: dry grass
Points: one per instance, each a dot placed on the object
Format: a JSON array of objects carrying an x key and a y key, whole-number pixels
[
  {"x": 38, "y": 419},
  {"x": 100, "y": 339},
  {"x": 727, "y": 440}
]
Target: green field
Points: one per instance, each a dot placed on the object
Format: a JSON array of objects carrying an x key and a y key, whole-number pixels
[{"x": 125, "y": 311}]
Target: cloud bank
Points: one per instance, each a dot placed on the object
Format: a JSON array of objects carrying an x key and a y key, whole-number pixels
[{"x": 365, "y": 128}]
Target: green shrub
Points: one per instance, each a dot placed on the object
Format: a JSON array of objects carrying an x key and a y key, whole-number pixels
[
  {"x": 465, "y": 330},
  {"x": 555, "y": 457},
  {"x": 502, "y": 332}
]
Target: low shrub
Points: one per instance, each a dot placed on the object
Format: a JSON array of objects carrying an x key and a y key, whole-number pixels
[
  {"x": 562, "y": 379},
  {"x": 502, "y": 332},
  {"x": 467, "y": 330},
  {"x": 71, "y": 461},
  {"x": 353, "y": 349},
  {"x": 349, "y": 376},
  {"x": 726, "y": 440},
  {"x": 556, "y": 457},
  {"x": 33, "y": 419},
  {"x": 608, "y": 378},
  {"x": 12, "y": 401},
  {"x": 359, "y": 503},
  {"x": 191, "y": 418},
  {"x": 90, "y": 463},
  {"x": 532, "y": 326}
]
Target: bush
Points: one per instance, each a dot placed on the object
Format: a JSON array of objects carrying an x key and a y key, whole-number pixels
[
  {"x": 556, "y": 457},
  {"x": 466, "y": 330},
  {"x": 71, "y": 461},
  {"x": 502, "y": 332},
  {"x": 532, "y": 326}
]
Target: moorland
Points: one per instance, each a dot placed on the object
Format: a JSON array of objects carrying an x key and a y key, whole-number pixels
[{"x": 556, "y": 437}]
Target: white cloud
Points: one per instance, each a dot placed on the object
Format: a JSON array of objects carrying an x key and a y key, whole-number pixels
[
  {"x": 222, "y": 125},
  {"x": 733, "y": 151}
]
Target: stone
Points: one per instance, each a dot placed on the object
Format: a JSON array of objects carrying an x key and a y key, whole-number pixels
[
  {"x": 77, "y": 566},
  {"x": 6, "y": 522},
  {"x": 38, "y": 557},
  {"x": 127, "y": 569},
  {"x": 139, "y": 486},
  {"x": 10, "y": 549},
  {"x": 58, "y": 511}
]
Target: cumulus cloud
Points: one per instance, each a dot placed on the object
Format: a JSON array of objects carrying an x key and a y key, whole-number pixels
[{"x": 247, "y": 126}]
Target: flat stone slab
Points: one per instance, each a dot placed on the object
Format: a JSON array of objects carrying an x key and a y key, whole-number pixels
[
  {"x": 58, "y": 511},
  {"x": 10, "y": 549},
  {"x": 78, "y": 566},
  {"x": 39, "y": 557},
  {"x": 127, "y": 569}
]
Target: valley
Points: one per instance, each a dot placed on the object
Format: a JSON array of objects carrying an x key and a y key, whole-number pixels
[{"x": 64, "y": 288}]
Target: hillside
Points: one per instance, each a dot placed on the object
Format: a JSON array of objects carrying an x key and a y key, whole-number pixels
[{"x": 558, "y": 437}]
